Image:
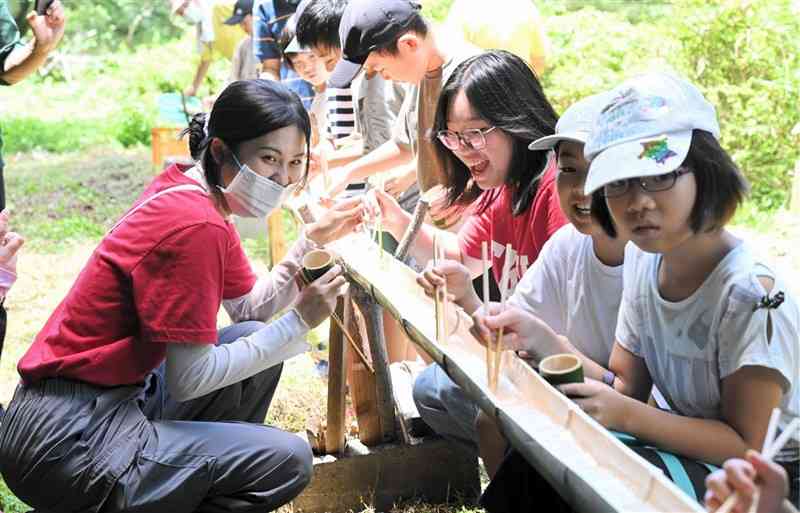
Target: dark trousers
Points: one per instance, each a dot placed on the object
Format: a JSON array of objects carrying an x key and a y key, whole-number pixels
[{"x": 66, "y": 446}]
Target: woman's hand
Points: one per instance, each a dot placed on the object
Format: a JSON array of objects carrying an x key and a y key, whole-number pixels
[
  {"x": 318, "y": 299},
  {"x": 457, "y": 278},
  {"x": 603, "y": 403},
  {"x": 341, "y": 219},
  {"x": 740, "y": 477},
  {"x": 10, "y": 242}
]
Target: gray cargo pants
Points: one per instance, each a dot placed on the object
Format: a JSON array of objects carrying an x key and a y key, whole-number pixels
[{"x": 67, "y": 446}]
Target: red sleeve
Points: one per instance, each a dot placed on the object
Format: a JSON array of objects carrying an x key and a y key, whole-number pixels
[
  {"x": 239, "y": 276},
  {"x": 177, "y": 287},
  {"x": 477, "y": 228}
]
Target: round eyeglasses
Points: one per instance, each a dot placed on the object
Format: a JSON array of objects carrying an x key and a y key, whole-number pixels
[
  {"x": 474, "y": 138},
  {"x": 655, "y": 183}
]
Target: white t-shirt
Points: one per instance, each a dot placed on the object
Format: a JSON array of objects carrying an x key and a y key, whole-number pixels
[
  {"x": 574, "y": 293},
  {"x": 689, "y": 346}
]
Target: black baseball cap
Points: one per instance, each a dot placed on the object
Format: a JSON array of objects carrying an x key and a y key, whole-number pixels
[
  {"x": 366, "y": 25},
  {"x": 240, "y": 10}
]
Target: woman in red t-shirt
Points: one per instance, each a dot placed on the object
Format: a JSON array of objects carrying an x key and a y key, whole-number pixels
[
  {"x": 130, "y": 398},
  {"x": 490, "y": 110}
]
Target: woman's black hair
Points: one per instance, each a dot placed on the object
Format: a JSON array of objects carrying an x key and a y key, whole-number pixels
[
  {"x": 721, "y": 187},
  {"x": 246, "y": 109},
  {"x": 503, "y": 90}
]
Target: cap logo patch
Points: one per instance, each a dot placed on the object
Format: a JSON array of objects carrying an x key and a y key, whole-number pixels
[{"x": 656, "y": 150}]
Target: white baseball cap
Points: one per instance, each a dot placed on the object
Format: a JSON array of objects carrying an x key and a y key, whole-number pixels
[
  {"x": 646, "y": 129},
  {"x": 576, "y": 123}
]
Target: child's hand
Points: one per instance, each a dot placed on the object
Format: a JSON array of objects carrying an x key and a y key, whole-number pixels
[
  {"x": 740, "y": 477},
  {"x": 603, "y": 403},
  {"x": 10, "y": 243},
  {"x": 454, "y": 274},
  {"x": 523, "y": 331},
  {"x": 380, "y": 204}
]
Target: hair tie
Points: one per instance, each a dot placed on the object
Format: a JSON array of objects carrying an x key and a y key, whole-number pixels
[
  {"x": 770, "y": 303},
  {"x": 205, "y": 124}
]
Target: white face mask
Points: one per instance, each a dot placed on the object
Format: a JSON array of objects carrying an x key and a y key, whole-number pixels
[{"x": 252, "y": 195}]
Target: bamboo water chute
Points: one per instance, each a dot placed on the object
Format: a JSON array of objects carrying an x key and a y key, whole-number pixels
[{"x": 587, "y": 465}]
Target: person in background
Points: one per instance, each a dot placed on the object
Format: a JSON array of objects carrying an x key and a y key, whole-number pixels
[
  {"x": 269, "y": 19},
  {"x": 742, "y": 476},
  {"x": 377, "y": 101},
  {"x": 215, "y": 39},
  {"x": 517, "y": 27},
  {"x": 312, "y": 70},
  {"x": 393, "y": 38},
  {"x": 10, "y": 243},
  {"x": 244, "y": 65},
  {"x": 17, "y": 61}
]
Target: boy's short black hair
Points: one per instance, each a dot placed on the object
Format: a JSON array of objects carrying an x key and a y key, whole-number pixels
[
  {"x": 287, "y": 34},
  {"x": 721, "y": 187},
  {"x": 416, "y": 23},
  {"x": 318, "y": 24}
]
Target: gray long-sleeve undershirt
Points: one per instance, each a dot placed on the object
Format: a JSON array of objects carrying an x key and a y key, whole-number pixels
[{"x": 194, "y": 370}]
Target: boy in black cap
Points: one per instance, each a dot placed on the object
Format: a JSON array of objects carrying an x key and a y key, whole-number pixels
[
  {"x": 244, "y": 64},
  {"x": 392, "y": 38}
]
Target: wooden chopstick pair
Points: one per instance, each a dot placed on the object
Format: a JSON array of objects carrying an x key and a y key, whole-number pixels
[
  {"x": 770, "y": 447},
  {"x": 494, "y": 346}
]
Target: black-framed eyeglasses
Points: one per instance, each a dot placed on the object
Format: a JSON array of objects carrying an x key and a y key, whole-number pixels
[
  {"x": 474, "y": 138},
  {"x": 655, "y": 183}
]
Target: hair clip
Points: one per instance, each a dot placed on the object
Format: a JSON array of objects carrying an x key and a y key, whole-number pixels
[{"x": 770, "y": 303}]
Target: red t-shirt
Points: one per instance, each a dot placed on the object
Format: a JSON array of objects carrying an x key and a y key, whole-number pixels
[
  {"x": 527, "y": 233},
  {"x": 159, "y": 277}
]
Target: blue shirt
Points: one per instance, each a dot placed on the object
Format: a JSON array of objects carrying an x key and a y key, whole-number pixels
[{"x": 269, "y": 19}]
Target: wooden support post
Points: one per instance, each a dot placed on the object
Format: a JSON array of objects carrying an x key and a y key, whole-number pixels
[
  {"x": 337, "y": 372},
  {"x": 373, "y": 315},
  {"x": 277, "y": 239},
  {"x": 363, "y": 389}
]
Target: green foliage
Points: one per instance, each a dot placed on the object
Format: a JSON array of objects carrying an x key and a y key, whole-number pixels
[
  {"x": 437, "y": 9},
  {"x": 28, "y": 134},
  {"x": 109, "y": 24},
  {"x": 745, "y": 56},
  {"x": 9, "y": 502},
  {"x": 134, "y": 126}
]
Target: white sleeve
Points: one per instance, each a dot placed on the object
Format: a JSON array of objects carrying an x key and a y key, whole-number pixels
[
  {"x": 540, "y": 292},
  {"x": 194, "y": 370},
  {"x": 743, "y": 330},
  {"x": 272, "y": 292},
  {"x": 630, "y": 321}
]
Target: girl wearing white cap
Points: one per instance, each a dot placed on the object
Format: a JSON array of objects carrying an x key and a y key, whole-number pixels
[{"x": 701, "y": 317}]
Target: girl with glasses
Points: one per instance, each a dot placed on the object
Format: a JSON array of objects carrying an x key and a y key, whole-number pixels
[
  {"x": 701, "y": 317},
  {"x": 130, "y": 399},
  {"x": 489, "y": 112}
]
